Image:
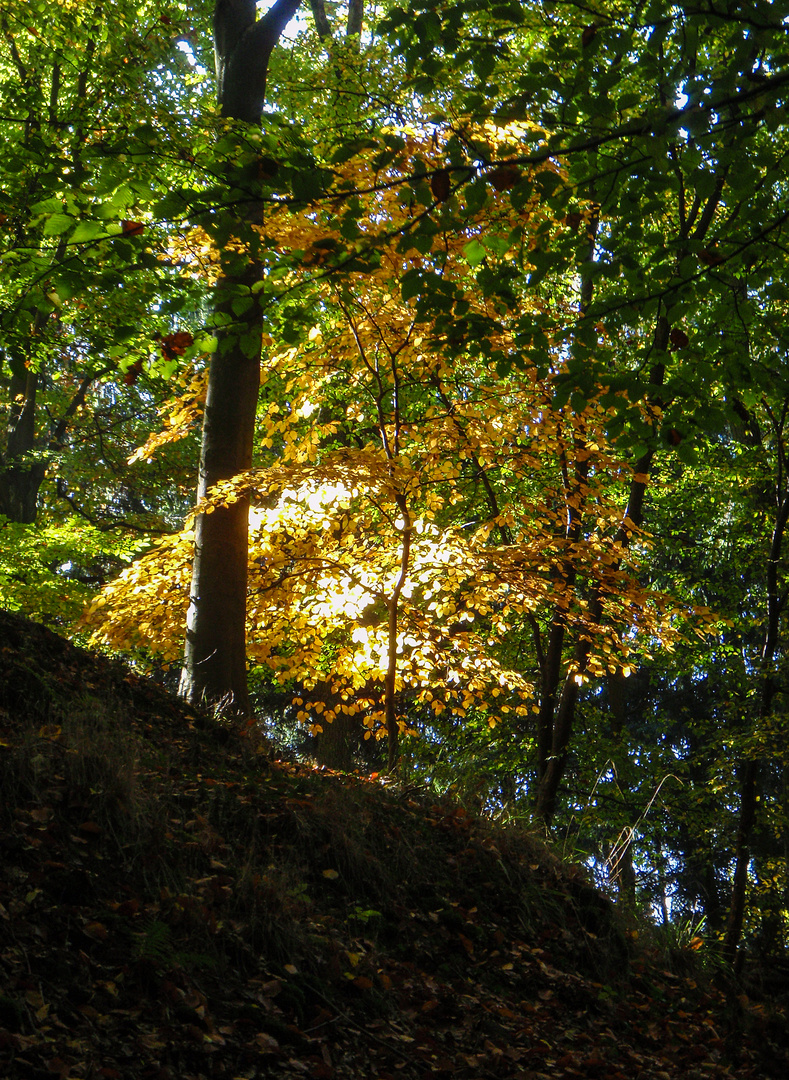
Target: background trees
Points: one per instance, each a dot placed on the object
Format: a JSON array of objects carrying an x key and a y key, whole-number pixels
[
  {"x": 518, "y": 275},
  {"x": 87, "y": 298}
]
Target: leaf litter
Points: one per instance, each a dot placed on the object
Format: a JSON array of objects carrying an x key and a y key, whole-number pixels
[{"x": 177, "y": 905}]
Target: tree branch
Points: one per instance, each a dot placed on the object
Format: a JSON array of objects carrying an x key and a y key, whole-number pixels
[
  {"x": 242, "y": 49},
  {"x": 322, "y": 24}
]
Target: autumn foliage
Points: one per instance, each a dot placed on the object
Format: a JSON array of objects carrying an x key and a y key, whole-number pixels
[{"x": 411, "y": 506}]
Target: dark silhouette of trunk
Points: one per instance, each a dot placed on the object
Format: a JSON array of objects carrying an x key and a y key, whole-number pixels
[
  {"x": 750, "y": 769},
  {"x": 22, "y": 464},
  {"x": 621, "y": 867},
  {"x": 549, "y": 742},
  {"x": 215, "y": 652},
  {"x": 556, "y": 723},
  {"x": 353, "y": 25},
  {"x": 557, "y": 708},
  {"x": 21, "y": 475},
  {"x": 390, "y": 682}
]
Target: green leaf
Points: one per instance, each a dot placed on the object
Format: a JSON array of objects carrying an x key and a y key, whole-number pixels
[
  {"x": 510, "y": 13},
  {"x": 410, "y": 284},
  {"x": 474, "y": 252},
  {"x": 484, "y": 63},
  {"x": 58, "y": 224},
  {"x": 88, "y": 230}
]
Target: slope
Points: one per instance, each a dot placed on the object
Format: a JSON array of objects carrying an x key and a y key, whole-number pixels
[{"x": 175, "y": 905}]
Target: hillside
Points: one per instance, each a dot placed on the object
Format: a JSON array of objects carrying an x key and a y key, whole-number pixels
[{"x": 174, "y": 905}]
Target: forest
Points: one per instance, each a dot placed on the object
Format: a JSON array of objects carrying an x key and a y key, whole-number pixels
[{"x": 410, "y": 380}]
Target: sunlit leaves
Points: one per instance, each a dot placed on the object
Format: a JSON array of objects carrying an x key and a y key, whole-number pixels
[
  {"x": 412, "y": 500},
  {"x": 50, "y": 573}
]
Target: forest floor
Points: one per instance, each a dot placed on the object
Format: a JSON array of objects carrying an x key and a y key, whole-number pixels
[{"x": 175, "y": 905}]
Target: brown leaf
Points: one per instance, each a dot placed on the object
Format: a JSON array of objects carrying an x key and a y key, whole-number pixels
[
  {"x": 266, "y": 1043},
  {"x": 440, "y": 185},
  {"x": 176, "y": 344},
  {"x": 130, "y": 378},
  {"x": 711, "y": 256},
  {"x": 467, "y": 944},
  {"x": 96, "y": 930},
  {"x": 588, "y": 35},
  {"x": 504, "y": 177},
  {"x": 320, "y": 251},
  {"x": 128, "y": 907}
]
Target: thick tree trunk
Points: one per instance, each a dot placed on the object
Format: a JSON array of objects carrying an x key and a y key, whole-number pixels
[
  {"x": 215, "y": 652},
  {"x": 215, "y": 667}
]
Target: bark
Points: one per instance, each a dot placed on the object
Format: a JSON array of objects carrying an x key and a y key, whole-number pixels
[
  {"x": 21, "y": 475},
  {"x": 336, "y": 742},
  {"x": 242, "y": 50},
  {"x": 556, "y": 723},
  {"x": 749, "y": 787},
  {"x": 21, "y": 472},
  {"x": 750, "y": 769},
  {"x": 552, "y": 710},
  {"x": 355, "y": 17},
  {"x": 215, "y": 650},
  {"x": 559, "y": 725},
  {"x": 390, "y": 683},
  {"x": 215, "y": 667},
  {"x": 322, "y": 24}
]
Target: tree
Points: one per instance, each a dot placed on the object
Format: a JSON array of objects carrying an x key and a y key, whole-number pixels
[
  {"x": 215, "y": 656},
  {"x": 83, "y": 354},
  {"x": 410, "y": 519}
]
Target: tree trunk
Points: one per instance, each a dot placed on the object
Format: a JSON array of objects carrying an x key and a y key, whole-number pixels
[
  {"x": 390, "y": 683},
  {"x": 23, "y": 466},
  {"x": 20, "y": 475},
  {"x": 558, "y": 728},
  {"x": 215, "y": 651},
  {"x": 215, "y": 668},
  {"x": 750, "y": 768}
]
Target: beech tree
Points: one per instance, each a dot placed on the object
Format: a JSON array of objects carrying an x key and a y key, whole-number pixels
[
  {"x": 83, "y": 356},
  {"x": 55, "y": 320},
  {"x": 215, "y": 664},
  {"x": 412, "y": 514}
]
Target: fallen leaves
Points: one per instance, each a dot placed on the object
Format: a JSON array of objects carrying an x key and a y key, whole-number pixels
[{"x": 132, "y": 952}]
